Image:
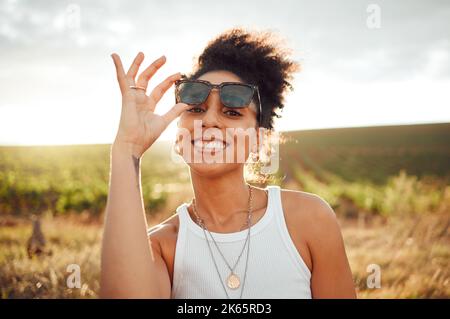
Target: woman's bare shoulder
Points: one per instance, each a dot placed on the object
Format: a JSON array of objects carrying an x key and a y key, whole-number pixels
[
  {"x": 165, "y": 229},
  {"x": 308, "y": 212},
  {"x": 305, "y": 203}
]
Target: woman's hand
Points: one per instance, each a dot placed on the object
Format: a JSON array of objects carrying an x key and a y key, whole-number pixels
[{"x": 139, "y": 126}]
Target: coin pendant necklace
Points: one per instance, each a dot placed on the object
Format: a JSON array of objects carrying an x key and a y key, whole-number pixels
[{"x": 233, "y": 281}]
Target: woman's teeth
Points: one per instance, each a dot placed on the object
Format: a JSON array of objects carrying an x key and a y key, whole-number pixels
[{"x": 212, "y": 145}]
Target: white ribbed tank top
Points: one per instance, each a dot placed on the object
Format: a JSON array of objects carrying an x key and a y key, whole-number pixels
[{"x": 275, "y": 268}]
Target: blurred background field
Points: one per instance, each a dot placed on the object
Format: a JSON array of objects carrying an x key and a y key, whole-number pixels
[{"x": 388, "y": 185}]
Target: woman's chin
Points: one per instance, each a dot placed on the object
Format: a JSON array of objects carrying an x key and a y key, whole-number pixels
[
  {"x": 212, "y": 168},
  {"x": 213, "y": 162}
]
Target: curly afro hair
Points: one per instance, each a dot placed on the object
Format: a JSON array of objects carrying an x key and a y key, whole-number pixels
[{"x": 256, "y": 57}]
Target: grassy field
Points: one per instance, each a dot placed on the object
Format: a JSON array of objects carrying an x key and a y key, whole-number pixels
[
  {"x": 388, "y": 185},
  {"x": 413, "y": 256}
]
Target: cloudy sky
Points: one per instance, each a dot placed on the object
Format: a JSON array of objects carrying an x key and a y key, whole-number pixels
[{"x": 364, "y": 62}]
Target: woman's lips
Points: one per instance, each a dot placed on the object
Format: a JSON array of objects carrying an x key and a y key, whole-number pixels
[{"x": 209, "y": 146}]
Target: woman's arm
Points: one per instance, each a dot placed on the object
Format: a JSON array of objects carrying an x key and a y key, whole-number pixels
[
  {"x": 129, "y": 267},
  {"x": 331, "y": 275}
]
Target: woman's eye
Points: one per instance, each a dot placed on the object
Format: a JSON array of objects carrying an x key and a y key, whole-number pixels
[
  {"x": 232, "y": 113},
  {"x": 195, "y": 110}
]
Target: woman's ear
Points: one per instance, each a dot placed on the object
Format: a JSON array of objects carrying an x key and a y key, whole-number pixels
[
  {"x": 176, "y": 147},
  {"x": 176, "y": 144},
  {"x": 255, "y": 147},
  {"x": 259, "y": 141},
  {"x": 254, "y": 155}
]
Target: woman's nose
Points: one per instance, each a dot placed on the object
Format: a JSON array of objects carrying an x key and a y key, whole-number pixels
[{"x": 212, "y": 114}]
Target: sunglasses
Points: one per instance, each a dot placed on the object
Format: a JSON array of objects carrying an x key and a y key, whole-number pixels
[{"x": 232, "y": 94}]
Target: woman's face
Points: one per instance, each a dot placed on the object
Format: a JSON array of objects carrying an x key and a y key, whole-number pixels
[{"x": 234, "y": 132}]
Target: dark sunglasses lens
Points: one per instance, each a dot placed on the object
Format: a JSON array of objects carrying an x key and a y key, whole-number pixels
[
  {"x": 234, "y": 95},
  {"x": 192, "y": 92}
]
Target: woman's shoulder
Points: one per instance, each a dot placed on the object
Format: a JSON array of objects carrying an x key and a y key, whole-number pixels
[
  {"x": 163, "y": 238},
  {"x": 309, "y": 213},
  {"x": 308, "y": 205},
  {"x": 165, "y": 229}
]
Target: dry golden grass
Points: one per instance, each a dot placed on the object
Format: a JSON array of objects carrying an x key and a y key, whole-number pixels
[
  {"x": 45, "y": 276},
  {"x": 413, "y": 254}
]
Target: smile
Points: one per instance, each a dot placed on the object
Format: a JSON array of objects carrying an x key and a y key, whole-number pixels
[{"x": 209, "y": 146}]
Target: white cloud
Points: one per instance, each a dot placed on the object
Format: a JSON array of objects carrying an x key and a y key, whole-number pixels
[{"x": 54, "y": 65}]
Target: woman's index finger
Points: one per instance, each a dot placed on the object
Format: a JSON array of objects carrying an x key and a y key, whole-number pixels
[{"x": 119, "y": 71}]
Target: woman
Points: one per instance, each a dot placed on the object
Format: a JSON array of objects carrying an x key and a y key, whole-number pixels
[{"x": 232, "y": 240}]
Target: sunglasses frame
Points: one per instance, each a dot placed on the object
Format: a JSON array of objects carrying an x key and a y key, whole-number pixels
[{"x": 219, "y": 87}]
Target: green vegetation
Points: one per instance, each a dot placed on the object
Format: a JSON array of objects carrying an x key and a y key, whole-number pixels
[
  {"x": 373, "y": 153},
  {"x": 371, "y": 166},
  {"x": 382, "y": 170},
  {"x": 393, "y": 179},
  {"x": 63, "y": 179}
]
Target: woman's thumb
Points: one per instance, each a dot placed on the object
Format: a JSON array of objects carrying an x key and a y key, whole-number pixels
[{"x": 174, "y": 112}]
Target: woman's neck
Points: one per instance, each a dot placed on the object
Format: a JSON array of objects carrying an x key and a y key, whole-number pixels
[{"x": 222, "y": 202}]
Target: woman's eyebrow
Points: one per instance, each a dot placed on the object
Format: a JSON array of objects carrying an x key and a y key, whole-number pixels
[
  {"x": 230, "y": 82},
  {"x": 236, "y": 109}
]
